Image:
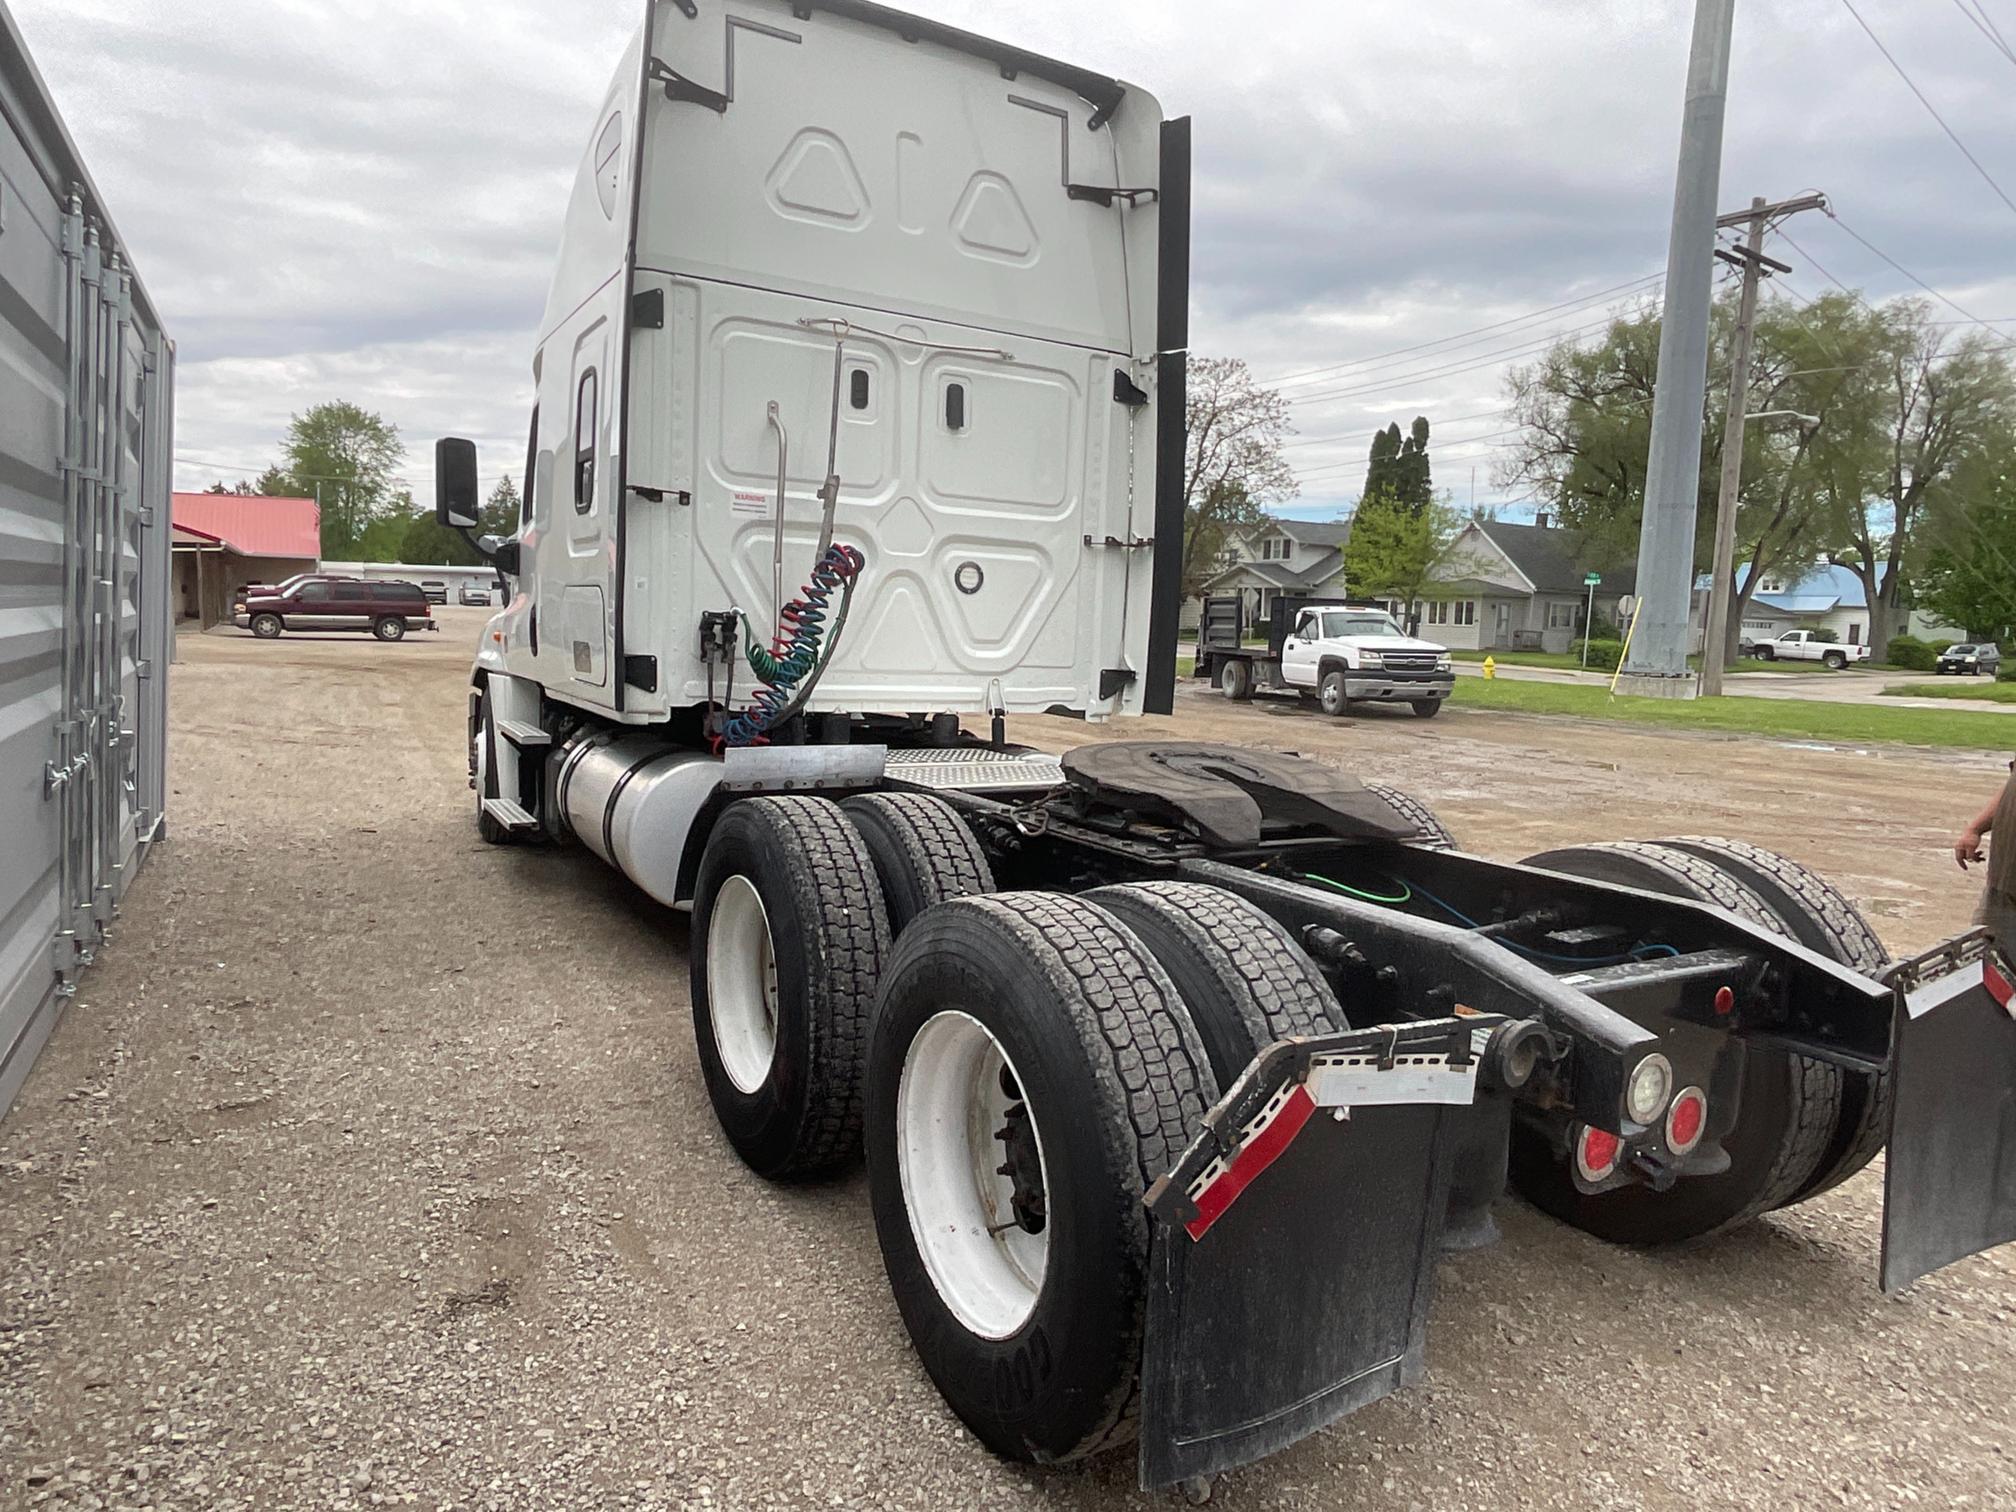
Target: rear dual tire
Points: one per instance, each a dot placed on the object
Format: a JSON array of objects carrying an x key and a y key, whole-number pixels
[
  {"x": 1103, "y": 1057},
  {"x": 1789, "y": 1109}
]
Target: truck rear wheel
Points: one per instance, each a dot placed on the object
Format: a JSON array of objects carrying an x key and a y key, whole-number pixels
[
  {"x": 1838, "y": 660},
  {"x": 1032, "y": 1071},
  {"x": 1785, "y": 1121},
  {"x": 1820, "y": 917},
  {"x": 1433, "y": 833},
  {"x": 1235, "y": 678},
  {"x": 1242, "y": 976},
  {"x": 923, "y": 852},
  {"x": 789, "y": 934},
  {"x": 389, "y": 627}
]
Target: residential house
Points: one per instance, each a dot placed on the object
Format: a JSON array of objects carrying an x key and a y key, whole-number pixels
[
  {"x": 1271, "y": 557},
  {"x": 1820, "y": 596},
  {"x": 1519, "y": 587}
]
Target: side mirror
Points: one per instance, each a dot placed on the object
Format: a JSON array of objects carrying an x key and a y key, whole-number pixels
[{"x": 455, "y": 503}]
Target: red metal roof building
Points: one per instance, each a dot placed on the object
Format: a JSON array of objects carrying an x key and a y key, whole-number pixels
[{"x": 224, "y": 541}]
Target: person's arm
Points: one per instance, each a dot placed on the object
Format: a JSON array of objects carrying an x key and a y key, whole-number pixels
[{"x": 1968, "y": 846}]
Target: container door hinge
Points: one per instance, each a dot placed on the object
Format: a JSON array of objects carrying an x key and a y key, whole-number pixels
[
  {"x": 1101, "y": 196},
  {"x": 1132, "y": 543},
  {"x": 1126, "y": 391},
  {"x": 66, "y": 960},
  {"x": 679, "y": 87},
  {"x": 641, "y": 672},
  {"x": 1113, "y": 679}
]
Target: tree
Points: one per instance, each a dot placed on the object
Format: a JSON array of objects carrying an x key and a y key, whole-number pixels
[
  {"x": 384, "y": 538},
  {"x": 1808, "y": 491},
  {"x": 500, "y": 513},
  {"x": 1395, "y": 545},
  {"x": 346, "y": 456},
  {"x": 1969, "y": 577},
  {"x": 1399, "y": 467},
  {"x": 1949, "y": 411},
  {"x": 1233, "y": 468}
]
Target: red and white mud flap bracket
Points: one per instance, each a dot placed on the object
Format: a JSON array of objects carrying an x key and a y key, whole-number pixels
[
  {"x": 1950, "y": 1168},
  {"x": 1295, "y": 1240}
]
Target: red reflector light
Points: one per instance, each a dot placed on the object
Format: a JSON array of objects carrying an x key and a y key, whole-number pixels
[
  {"x": 1596, "y": 1152},
  {"x": 1725, "y": 1000},
  {"x": 1686, "y": 1120}
]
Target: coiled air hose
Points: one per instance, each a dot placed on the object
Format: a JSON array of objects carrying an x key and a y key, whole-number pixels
[{"x": 791, "y": 666}]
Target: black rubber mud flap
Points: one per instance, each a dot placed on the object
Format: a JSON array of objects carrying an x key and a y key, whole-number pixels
[
  {"x": 1950, "y": 1178},
  {"x": 1294, "y": 1253}
]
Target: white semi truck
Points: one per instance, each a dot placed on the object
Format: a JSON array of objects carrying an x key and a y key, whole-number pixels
[{"x": 1175, "y": 1066}]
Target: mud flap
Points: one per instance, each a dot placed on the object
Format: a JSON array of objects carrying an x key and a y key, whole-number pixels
[
  {"x": 1295, "y": 1244},
  {"x": 1950, "y": 1177}
]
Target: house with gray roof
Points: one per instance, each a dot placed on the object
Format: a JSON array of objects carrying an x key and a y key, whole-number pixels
[
  {"x": 1304, "y": 558},
  {"x": 1508, "y": 587}
]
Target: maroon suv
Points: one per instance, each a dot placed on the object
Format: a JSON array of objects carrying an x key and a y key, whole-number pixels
[{"x": 387, "y": 609}]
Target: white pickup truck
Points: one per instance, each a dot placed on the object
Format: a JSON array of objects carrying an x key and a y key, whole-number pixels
[
  {"x": 1337, "y": 654},
  {"x": 1806, "y": 645}
]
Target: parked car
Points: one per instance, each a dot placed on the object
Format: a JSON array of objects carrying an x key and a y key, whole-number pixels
[
  {"x": 1970, "y": 659},
  {"x": 1806, "y": 645},
  {"x": 435, "y": 589},
  {"x": 285, "y": 585},
  {"x": 475, "y": 595},
  {"x": 387, "y": 610}
]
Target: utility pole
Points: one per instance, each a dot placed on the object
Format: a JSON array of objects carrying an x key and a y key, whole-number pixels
[
  {"x": 1657, "y": 664},
  {"x": 1756, "y": 267}
]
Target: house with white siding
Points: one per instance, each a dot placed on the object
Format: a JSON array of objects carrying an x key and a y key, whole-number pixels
[
  {"x": 1271, "y": 557},
  {"x": 1504, "y": 587},
  {"x": 1820, "y": 596}
]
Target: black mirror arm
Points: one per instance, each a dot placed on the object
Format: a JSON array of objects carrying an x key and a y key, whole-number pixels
[{"x": 503, "y": 555}]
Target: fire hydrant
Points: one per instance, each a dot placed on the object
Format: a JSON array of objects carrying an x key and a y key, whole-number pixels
[{"x": 1490, "y": 666}]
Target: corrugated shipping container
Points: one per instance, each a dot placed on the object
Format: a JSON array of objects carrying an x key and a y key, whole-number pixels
[{"x": 86, "y": 411}]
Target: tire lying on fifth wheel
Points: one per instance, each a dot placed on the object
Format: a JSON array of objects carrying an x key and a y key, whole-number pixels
[
  {"x": 1790, "y": 1103},
  {"x": 788, "y": 938},
  {"x": 1244, "y": 979},
  {"x": 1820, "y": 917},
  {"x": 1032, "y": 1070},
  {"x": 924, "y": 853}
]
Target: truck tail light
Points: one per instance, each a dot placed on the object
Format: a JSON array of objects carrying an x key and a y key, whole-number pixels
[
  {"x": 1596, "y": 1153},
  {"x": 1686, "y": 1120}
]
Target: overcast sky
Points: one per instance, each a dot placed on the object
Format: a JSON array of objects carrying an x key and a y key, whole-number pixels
[{"x": 362, "y": 200}]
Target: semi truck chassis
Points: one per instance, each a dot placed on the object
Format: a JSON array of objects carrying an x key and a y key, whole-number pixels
[{"x": 1277, "y": 1017}]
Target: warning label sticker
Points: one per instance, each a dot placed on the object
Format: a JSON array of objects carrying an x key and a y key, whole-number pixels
[{"x": 750, "y": 503}]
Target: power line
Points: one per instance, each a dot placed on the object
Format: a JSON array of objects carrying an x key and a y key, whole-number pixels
[
  {"x": 1930, "y": 108},
  {"x": 1459, "y": 337},
  {"x": 1910, "y": 275},
  {"x": 1985, "y": 25},
  {"x": 1471, "y": 364},
  {"x": 1342, "y": 440}
]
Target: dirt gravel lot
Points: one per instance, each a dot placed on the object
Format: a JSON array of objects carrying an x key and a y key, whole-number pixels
[{"x": 372, "y": 1167}]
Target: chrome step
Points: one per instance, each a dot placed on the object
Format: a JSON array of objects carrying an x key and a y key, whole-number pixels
[
  {"x": 975, "y": 769},
  {"x": 511, "y": 816},
  {"x": 527, "y": 737}
]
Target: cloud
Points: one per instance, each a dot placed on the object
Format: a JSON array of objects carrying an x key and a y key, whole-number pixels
[{"x": 364, "y": 200}]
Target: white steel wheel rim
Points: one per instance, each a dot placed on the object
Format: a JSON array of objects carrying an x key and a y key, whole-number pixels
[
  {"x": 742, "y": 984},
  {"x": 1333, "y": 695},
  {"x": 986, "y": 1268}
]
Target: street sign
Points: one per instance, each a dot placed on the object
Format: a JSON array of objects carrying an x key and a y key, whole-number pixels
[{"x": 1594, "y": 580}]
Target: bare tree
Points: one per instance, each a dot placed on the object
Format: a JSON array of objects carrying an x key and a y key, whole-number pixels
[{"x": 1234, "y": 467}]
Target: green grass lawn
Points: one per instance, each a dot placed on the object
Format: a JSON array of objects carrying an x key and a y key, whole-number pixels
[
  {"x": 1959, "y": 687},
  {"x": 1564, "y": 661},
  {"x": 1785, "y": 719}
]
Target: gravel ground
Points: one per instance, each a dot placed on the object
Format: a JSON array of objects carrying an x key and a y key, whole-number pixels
[{"x": 372, "y": 1167}]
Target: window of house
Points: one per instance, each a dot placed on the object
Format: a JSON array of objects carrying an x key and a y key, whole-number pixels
[
  {"x": 584, "y": 443},
  {"x": 1854, "y": 635},
  {"x": 1561, "y": 616},
  {"x": 1465, "y": 612}
]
